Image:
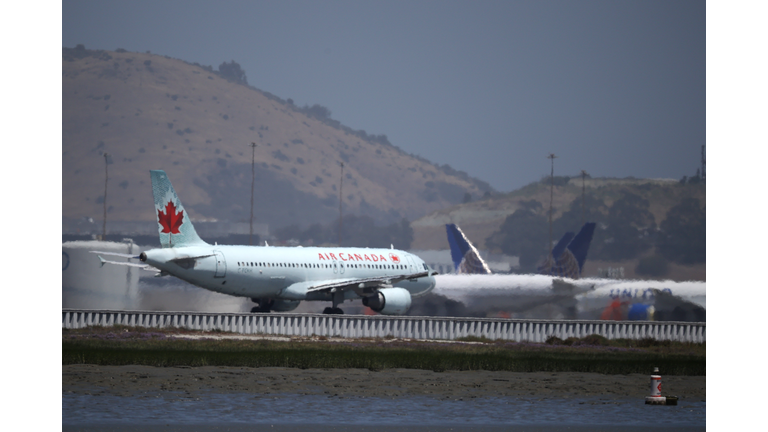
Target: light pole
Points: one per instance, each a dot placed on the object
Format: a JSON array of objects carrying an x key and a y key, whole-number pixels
[
  {"x": 584, "y": 175},
  {"x": 341, "y": 182},
  {"x": 253, "y": 183},
  {"x": 551, "y": 157},
  {"x": 106, "y": 178}
]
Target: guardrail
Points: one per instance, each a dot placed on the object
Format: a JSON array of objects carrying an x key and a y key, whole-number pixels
[{"x": 406, "y": 327}]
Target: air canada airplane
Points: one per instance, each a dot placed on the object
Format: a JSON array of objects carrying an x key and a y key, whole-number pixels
[{"x": 279, "y": 278}]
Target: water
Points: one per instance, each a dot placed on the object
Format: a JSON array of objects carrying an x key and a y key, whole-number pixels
[{"x": 305, "y": 410}]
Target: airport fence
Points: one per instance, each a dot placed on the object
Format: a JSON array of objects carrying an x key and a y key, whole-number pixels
[{"x": 405, "y": 327}]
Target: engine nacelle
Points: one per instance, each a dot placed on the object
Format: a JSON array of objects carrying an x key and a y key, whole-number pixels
[
  {"x": 389, "y": 301},
  {"x": 280, "y": 305}
]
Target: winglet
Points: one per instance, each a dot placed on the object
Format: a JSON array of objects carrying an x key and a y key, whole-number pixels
[{"x": 102, "y": 260}]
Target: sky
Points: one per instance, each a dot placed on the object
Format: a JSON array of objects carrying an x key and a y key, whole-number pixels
[{"x": 490, "y": 88}]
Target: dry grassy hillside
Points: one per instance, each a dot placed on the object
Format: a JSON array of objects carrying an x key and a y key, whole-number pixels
[{"x": 152, "y": 112}]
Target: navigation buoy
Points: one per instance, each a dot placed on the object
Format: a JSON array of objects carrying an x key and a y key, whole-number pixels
[{"x": 655, "y": 398}]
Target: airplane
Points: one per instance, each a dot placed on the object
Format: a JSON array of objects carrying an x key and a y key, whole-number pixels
[
  {"x": 588, "y": 298},
  {"x": 570, "y": 253},
  {"x": 279, "y": 278}
]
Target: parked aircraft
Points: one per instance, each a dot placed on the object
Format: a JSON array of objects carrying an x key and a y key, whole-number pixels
[
  {"x": 567, "y": 258},
  {"x": 474, "y": 285},
  {"x": 559, "y": 288},
  {"x": 279, "y": 278}
]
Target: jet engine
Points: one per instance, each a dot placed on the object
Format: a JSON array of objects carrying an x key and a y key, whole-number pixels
[{"x": 389, "y": 301}]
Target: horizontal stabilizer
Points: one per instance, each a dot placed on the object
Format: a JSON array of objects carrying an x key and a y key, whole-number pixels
[
  {"x": 122, "y": 255},
  {"x": 122, "y": 263}
]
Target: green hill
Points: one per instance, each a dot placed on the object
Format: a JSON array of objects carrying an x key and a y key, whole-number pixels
[{"x": 154, "y": 112}]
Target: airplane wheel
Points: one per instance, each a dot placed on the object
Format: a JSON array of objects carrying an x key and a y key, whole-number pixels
[
  {"x": 327, "y": 311},
  {"x": 257, "y": 309},
  {"x": 338, "y": 311},
  {"x": 333, "y": 311}
]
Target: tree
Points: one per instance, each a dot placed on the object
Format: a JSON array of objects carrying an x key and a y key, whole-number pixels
[
  {"x": 630, "y": 229},
  {"x": 524, "y": 234},
  {"x": 653, "y": 266},
  {"x": 233, "y": 72},
  {"x": 572, "y": 219},
  {"x": 683, "y": 236}
]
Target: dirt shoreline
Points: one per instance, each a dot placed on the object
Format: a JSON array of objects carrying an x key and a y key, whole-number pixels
[{"x": 193, "y": 382}]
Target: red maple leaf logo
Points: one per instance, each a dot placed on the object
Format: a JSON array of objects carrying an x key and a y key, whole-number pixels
[
  {"x": 170, "y": 220},
  {"x": 395, "y": 259}
]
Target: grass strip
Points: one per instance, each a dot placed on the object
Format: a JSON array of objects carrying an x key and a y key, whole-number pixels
[{"x": 166, "y": 353}]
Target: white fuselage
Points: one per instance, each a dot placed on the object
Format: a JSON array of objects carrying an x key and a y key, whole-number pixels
[{"x": 267, "y": 271}]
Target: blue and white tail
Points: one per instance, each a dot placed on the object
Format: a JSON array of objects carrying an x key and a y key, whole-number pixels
[
  {"x": 173, "y": 222},
  {"x": 579, "y": 246},
  {"x": 569, "y": 261},
  {"x": 466, "y": 259}
]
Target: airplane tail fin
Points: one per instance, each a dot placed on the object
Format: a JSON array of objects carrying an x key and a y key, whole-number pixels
[
  {"x": 466, "y": 259},
  {"x": 545, "y": 267},
  {"x": 174, "y": 226},
  {"x": 561, "y": 245},
  {"x": 570, "y": 260},
  {"x": 579, "y": 246}
]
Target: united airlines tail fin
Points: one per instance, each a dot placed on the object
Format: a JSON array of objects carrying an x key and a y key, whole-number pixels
[
  {"x": 466, "y": 259},
  {"x": 562, "y": 244},
  {"x": 569, "y": 261},
  {"x": 173, "y": 222},
  {"x": 579, "y": 246},
  {"x": 544, "y": 268}
]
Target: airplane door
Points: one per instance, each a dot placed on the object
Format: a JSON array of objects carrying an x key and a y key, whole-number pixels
[
  {"x": 335, "y": 268},
  {"x": 221, "y": 265},
  {"x": 410, "y": 263},
  {"x": 341, "y": 267}
]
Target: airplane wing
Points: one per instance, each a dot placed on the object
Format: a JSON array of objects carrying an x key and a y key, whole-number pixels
[
  {"x": 361, "y": 282},
  {"x": 299, "y": 290}
]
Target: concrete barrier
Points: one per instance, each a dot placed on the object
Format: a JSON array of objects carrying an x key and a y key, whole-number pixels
[{"x": 406, "y": 327}]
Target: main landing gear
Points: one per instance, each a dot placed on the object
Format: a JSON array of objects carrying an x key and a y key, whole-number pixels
[
  {"x": 337, "y": 299},
  {"x": 264, "y": 305}
]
